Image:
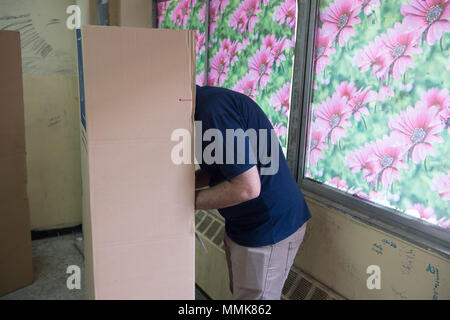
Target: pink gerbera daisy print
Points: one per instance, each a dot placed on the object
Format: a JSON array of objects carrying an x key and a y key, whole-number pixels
[
  {"x": 219, "y": 66},
  {"x": 368, "y": 5},
  {"x": 441, "y": 184},
  {"x": 285, "y": 13},
  {"x": 428, "y": 16},
  {"x": 180, "y": 14},
  {"x": 279, "y": 129},
  {"x": 317, "y": 142},
  {"x": 338, "y": 183},
  {"x": 247, "y": 85},
  {"x": 384, "y": 93},
  {"x": 323, "y": 48},
  {"x": 399, "y": 44},
  {"x": 332, "y": 117},
  {"x": 435, "y": 98},
  {"x": 444, "y": 116},
  {"x": 232, "y": 48},
  {"x": 387, "y": 161},
  {"x": 423, "y": 213},
  {"x": 339, "y": 18},
  {"x": 373, "y": 57},
  {"x": 278, "y": 50},
  {"x": 358, "y": 103},
  {"x": 417, "y": 130},
  {"x": 359, "y": 160},
  {"x": 281, "y": 99},
  {"x": 260, "y": 66},
  {"x": 345, "y": 90}
]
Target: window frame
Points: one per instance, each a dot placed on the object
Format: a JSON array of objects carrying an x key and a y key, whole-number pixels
[{"x": 386, "y": 219}]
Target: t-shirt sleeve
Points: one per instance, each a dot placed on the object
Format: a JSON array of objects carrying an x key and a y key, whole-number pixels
[{"x": 237, "y": 152}]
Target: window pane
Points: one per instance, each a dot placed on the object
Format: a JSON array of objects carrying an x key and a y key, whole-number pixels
[
  {"x": 252, "y": 49},
  {"x": 380, "y": 110},
  {"x": 186, "y": 15}
]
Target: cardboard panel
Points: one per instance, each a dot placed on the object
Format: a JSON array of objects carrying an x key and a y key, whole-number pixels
[
  {"x": 16, "y": 269},
  {"x": 138, "y": 205}
]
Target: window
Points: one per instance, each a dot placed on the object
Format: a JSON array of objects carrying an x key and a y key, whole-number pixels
[
  {"x": 375, "y": 129},
  {"x": 250, "y": 48}
]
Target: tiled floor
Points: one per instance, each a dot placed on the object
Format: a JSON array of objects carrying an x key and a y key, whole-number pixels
[{"x": 51, "y": 257}]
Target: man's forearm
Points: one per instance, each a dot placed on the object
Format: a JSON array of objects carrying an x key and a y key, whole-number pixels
[
  {"x": 230, "y": 193},
  {"x": 201, "y": 179}
]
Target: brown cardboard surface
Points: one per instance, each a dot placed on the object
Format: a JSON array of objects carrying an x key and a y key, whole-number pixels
[
  {"x": 138, "y": 207},
  {"x": 16, "y": 269}
]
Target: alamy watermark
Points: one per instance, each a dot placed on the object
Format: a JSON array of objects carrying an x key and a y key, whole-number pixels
[
  {"x": 237, "y": 147},
  {"x": 374, "y": 280}
]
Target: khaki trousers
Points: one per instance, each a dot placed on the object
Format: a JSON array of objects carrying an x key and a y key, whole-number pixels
[{"x": 259, "y": 273}]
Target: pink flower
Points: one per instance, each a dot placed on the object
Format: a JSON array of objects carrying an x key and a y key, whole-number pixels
[
  {"x": 385, "y": 91},
  {"x": 251, "y": 8},
  {"x": 345, "y": 90},
  {"x": 247, "y": 85},
  {"x": 372, "y": 56},
  {"x": 261, "y": 66},
  {"x": 316, "y": 144},
  {"x": 245, "y": 16},
  {"x": 416, "y": 129},
  {"x": 278, "y": 50},
  {"x": 359, "y": 101},
  {"x": 356, "y": 192},
  {"x": 441, "y": 184},
  {"x": 435, "y": 98},
  {"x": 444, "y": 116},
  {"x": 285, "y": 13},
  {"x": 279, "y": 129},
  {"x": 219, "y": 66},
  {"x": 429, "y": 16},
  {"x": 200, "y": 43},
  {"x": 269, "y": 42},
  {"x": 339, "y": 18},
  {"x": 367, "y": 5},
  {"x": 336, "y": 182},
  {"x": 323, "y": 48},
  {"x": 387, "y": 160},
  {"x": 281, "y": 99},
  {"x": 425, "y": 213},
  {"x": 238, "y": 20},
  {"x": 180, "y": 14},
  {"x": 332, "y": 116},
  {"x": 220, "y": 4},
  {"x": 200, "y": 80},
  {"x": 232, "y": 49},
  {"x": 162, "y": 7},
  {"x": 444, "y": 223},
  {"x": 360, "y": 159},
  {"x": 399, "y": 44}
]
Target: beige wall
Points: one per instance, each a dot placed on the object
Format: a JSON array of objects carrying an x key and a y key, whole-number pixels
[
  {"x": 51, "y": 109},
  {"x": 337, "y": 250}
]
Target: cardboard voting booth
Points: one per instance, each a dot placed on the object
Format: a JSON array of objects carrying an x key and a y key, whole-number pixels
[
  {"x": 137, "y": 86},
  {"x": 16, "y": 269}
]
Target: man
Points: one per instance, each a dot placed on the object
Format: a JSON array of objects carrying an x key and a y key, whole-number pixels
[{"x": 264, "y": 210}]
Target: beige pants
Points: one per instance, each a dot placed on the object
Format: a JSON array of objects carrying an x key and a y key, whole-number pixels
[{"x": 259, "y": 273}]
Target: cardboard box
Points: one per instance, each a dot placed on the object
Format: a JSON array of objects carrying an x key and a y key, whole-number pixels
[
  {"x": 138, "y": 206},
  {"x": 16, "y": 269}
]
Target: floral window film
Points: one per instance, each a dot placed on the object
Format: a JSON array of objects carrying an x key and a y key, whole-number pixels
[
  {"x": 379, "y": 118},
  {"x": 185, "y": 15},
  {"x": 251, "y": 51}
]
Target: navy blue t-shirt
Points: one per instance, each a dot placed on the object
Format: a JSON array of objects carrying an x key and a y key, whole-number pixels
[{"x": 280, "y": 208}]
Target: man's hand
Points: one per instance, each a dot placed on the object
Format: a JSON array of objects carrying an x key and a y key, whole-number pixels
[{"x": 245, "y": 187}]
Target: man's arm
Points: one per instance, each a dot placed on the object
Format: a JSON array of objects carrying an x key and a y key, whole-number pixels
[
  {"x": 245, "y": 187},
  {"x": 201, "y": 179}
]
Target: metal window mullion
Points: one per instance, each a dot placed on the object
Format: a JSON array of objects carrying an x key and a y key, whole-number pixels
[{"x": 207, "y": 4}]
